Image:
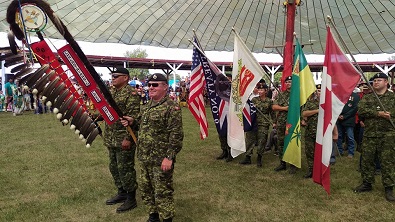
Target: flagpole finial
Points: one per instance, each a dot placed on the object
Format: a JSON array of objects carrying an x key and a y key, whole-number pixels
[{"x": 329, "y": 17}]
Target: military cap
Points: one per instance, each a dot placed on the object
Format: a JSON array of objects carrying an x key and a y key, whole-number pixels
[
  {"x": 288, "y": 78},
  {"x": 157, "y": 77},
  {"x": 379, "y": 75},
  {"x": 262, "y": 81},
  {"x": 265, "y": 86},
  {"x": 120, "y": 71},
  {"x": 261, "y": 86},
  {"x": 318, "y": 86}
]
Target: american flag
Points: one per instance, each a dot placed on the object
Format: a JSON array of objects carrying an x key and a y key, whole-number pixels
[{"x": 196, "y": 100}]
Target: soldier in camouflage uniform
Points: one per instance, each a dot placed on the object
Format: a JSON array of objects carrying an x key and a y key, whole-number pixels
[
  {"x": 265, "y": 115},
  {"x": 251, "y": 133},
  {"x": 121, "y": 147},
  {"x": 380, "y": 135},
  {"x": 310, "y": 114},
  {"x": 160, "y": 139},
  {"x": 281, "y": 105}
]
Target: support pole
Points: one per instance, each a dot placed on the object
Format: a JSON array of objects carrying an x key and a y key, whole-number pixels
[{"x": 174, "y": 68}]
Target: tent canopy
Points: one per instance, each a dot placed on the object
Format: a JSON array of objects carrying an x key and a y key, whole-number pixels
[{"x": 367, "y": 26}]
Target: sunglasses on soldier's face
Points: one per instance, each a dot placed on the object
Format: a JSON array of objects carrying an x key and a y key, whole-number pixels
[
  {"x": 153, "y": 84},
  {"x": 116, "y": 76}
]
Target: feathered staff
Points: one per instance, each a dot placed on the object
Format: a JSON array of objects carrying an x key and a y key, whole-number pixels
[{"x": 19, "y": 34}]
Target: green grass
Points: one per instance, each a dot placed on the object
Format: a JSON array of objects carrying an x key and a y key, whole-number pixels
[{"x": 47, "y": 174}]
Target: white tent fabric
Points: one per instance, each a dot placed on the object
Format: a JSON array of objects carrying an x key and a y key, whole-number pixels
[{"x": 367, "y": 26}]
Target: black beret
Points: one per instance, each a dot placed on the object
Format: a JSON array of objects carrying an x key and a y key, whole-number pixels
[
  {"x": 288, "y": 78},
  {"x": 261, "y": 86},
  {"x": 379, "y": 75},
  {"x": 120, "y": 71},
  {"x": 262, "y": 81},
  {"x": 157, "y": 77}
]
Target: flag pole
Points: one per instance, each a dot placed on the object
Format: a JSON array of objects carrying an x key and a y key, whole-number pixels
[
  {"x": 198, "y": 42},
  {"x": 358, "y": 67}
]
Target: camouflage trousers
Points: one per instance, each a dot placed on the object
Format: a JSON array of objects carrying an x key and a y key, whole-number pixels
[
  {"x": 257, "y": 137},
  {"x": 157, "y": 190},
  {"x": 122, "y": 168},
  {"x": 309, "y": 147},
  {"x": 280, "y": 140},
  {"x": 224, "y": 143},
  {"x": 385, "y": 150},
  {"x": 251, "y": 138}
]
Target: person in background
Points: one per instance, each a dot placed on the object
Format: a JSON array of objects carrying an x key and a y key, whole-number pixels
[
  {"x": 9, "y": 88},
  {"x": 2, "y": 101},
  {"x": 310, "y": 114},
  {"x": 281, "y": 106},
  {"x": 346, "y": 123}
]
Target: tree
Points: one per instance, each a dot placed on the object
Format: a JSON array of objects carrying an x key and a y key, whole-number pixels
[{"x": 137, "y": 53}]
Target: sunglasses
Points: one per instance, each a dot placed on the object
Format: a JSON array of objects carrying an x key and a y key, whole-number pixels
[
  {"x": 116, "y": 76},
  {"x": 153, "y": 84}
]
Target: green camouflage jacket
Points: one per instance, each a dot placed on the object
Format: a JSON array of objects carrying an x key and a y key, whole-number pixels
[
  {"x": 311, "y": 128},
  {"x": 369, "y": 107},
  {"x": 160, "y": 131},
  {"x": 128, "y": 102},
  {"x": 264, "y": 113},
  {"x": 282, "y": 100}
]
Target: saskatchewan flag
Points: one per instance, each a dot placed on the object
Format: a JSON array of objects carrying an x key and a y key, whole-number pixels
[{"x": 302, "y": 87}]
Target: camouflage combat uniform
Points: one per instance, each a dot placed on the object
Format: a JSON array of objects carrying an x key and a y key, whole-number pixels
[
  {"x": 264, "y": 120},
  {"x": 311, "y": 131},
  {"x": 380, "y": 137},
  {"x": 160, "y": 136},
  {"x": 282, "y": 100},
  {"x": 122, "y": 161}
]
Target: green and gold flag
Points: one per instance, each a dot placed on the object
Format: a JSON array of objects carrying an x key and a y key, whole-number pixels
[{"x": 302, "y": 87}]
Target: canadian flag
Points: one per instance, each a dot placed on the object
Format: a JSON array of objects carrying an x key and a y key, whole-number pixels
[{"x": 339, "y": 78}]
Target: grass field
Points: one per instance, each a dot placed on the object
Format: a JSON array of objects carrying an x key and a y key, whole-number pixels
[{"x": 47, "y": 174}]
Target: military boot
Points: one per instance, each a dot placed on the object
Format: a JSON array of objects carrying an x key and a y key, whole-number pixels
[
  {"x": 259, "y": 161},
  {"x": 229, "y": 157},
  {"x": 247, "y": 160},
  {"x": 292, "y": 169},
  {"x": 281, "y": 167},
  {"x": 364, "y": 187},
  {"x": 308, "y": 174},
  {"x": 119, "y": 198},
  {"x": 168, "y": 219},
  {"x": 223, "y": 155},
  {"x": 389, "y": 194},
  {"x": 153, "y": 217},
  {"x": 130, "y": 203}
]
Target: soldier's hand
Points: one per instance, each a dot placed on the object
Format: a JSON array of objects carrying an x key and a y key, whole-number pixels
[
  {"x": 126, "y": 144},
  {"x": 166, "y": 164},
  {"x": 385, "y": 115},
  {"x": 126, "y": 121}
]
